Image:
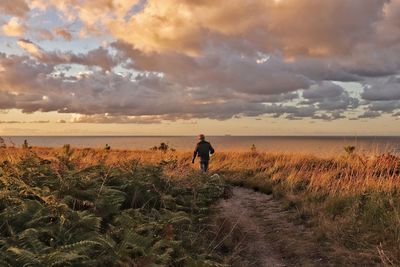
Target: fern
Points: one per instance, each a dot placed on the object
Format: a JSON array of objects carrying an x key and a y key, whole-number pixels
[
  {"x": 55, "y": 214},
  {"x": 24, "y": 256},
  {"x": 80, "y": 245},
  {"x": 58, "y": 258}
]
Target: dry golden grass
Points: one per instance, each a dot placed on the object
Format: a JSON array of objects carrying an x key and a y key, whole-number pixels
[
  {"x": 350, "y": 200},
  {"x": 336, "y": 175}
]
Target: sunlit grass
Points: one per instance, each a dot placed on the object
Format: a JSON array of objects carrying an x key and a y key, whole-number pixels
[{"x": 350, "y": 199}]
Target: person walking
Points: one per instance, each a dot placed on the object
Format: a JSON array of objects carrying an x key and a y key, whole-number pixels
[{"x": 203, "y": 150}]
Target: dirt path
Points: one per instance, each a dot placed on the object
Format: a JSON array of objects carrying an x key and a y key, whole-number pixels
[{"x": 262, "y": 233}]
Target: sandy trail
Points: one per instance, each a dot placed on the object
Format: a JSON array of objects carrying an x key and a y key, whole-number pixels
[{"x": 268, "y": 233}]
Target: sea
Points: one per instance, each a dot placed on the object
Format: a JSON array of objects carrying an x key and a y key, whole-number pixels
[{"x": 318, "y": 145}]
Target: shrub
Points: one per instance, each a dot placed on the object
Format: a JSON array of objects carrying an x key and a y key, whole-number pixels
[{"x": 349, "y": 149}]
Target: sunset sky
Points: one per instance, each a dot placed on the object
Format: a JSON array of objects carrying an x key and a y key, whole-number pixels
[{"x": 180, "y": 67}]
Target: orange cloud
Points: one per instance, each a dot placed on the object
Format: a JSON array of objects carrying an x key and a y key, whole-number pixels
[
  {"x": 16, "y": 7},
  {"x": 14, "y": 27},
  {"x": 295, "y": 27},
  {"x": 64, "y": 33},
  {"x": 31, "y": 48}
]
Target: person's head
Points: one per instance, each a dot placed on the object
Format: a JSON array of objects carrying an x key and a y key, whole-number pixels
[{"x": 202, "y": 137}]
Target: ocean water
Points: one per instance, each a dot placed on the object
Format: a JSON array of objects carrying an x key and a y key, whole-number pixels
[{"x": 320, "y": 145}]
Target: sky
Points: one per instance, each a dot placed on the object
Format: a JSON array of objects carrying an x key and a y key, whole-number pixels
[{"x": 181, "y": 67}]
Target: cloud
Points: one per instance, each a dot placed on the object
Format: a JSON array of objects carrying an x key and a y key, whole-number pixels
[
  {"x": 14, "y": 8},
  {"x": 152, "y": 97},
  {"x": 7, "y": 100},
  {"x": 370, "y": 114},
  {"x": 291, "y": 26},
  {"x": 382, "y": 89},
  {"x": 43, "y": 34},
  {"x": 99, "y": 93},
  {"x": 17, "y": 122},
  {"x": 322, "y": 91},
  {"x": 99, "y": 57},
  {"x": 384, "y": 106},
  {"x": 105, "y": 118},
  {"x": 330, "y": 96},
  {"x": 14, "y": 27},
  {"x": 184, "y": 59},
  {"x": 31, "y": 48},
  {"x": 220, "y": 69},
  {"x": 64, "y": 33}
]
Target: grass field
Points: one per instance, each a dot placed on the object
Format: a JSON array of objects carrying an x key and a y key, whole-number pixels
[{"x": 136, "y": 208}]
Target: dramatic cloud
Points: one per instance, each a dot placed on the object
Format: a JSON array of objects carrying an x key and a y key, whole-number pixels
[
  {"x": 159, "y": 60},
  {"x": 222, "y": 72},
  {"x": 108, "y": 93},
  {"x": 291, "y": 26}
]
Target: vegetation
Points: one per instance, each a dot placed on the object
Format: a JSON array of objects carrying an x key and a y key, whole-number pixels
[
  {"x": 2, "y": 143},
  {"x": 351, "y": 203},
  {"x": 163, "y": 147},
  {"x": 349, "y": 149},
  {"x": 63, "y": 211}
]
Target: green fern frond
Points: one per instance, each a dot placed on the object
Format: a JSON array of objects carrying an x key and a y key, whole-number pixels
[
  {"x": 79, "y": 246},
  {"x": 24, "y": 256},
  {"x": 59, "y": 258}
]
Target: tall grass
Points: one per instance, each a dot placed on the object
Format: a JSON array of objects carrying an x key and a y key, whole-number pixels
[
  {"x": 351, "y": 201},
  {"x": 336, "y": 175}
]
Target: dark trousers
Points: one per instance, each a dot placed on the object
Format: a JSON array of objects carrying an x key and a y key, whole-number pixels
[{"x": 204, "y": 165}]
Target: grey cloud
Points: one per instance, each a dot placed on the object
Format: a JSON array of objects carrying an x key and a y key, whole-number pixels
[
  {"x": 97, "y": 57},
  {"x": 323, "y": 90},
  {"x": 219, "y": 69},
  {"x": 370, "y": 114},
  {"x": 384, "y": 106},
  {"x": 331, "y": 97},
  {"x": 145, "y": 98},
  {"x": 7, "y": 100},
  {"x": 329, "y": 116},
  {"x": 382, "y": 89},
  {"x": 324, "y": 69}
]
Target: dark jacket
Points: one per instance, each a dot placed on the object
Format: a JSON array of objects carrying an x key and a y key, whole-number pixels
[{"x": 203, "y": 150}]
